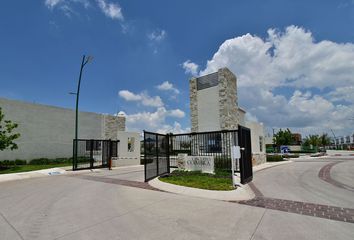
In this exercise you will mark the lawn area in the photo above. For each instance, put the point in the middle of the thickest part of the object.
(27, 168)
(196, 179)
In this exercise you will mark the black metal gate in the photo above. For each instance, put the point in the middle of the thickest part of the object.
(161, 151)
(244, 140)
(92, 153)
(156, 155)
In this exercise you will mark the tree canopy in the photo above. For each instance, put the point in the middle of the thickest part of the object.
(7, 137)
(283, 137)
(317, 140)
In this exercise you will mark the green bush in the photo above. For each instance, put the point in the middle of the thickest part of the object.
(7, 163)
(222, 163)
(20, 162)
(292, 156)
(46, 161)
(274, 158)
(39, 161)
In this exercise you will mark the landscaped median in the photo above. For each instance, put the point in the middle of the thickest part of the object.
(242, 192)
(221, 180)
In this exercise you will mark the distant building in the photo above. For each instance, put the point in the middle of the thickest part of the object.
(297, 139)
(345, 142)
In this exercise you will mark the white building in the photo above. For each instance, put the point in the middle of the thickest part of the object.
(48, 132)
(214, 107)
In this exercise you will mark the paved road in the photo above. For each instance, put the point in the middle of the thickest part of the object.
(98, 206)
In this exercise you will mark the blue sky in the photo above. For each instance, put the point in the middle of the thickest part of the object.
(294, 59)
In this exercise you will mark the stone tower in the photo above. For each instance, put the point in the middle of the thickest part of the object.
(213, 102)
(112, 125)
(121, 121)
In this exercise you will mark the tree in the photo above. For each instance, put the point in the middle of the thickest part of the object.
(325, 140)
(312, 140)
(6, 136)
(283, 137)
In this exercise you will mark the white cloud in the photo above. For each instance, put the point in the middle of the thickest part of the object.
(52, 3)
(129, 96)
(143, 98)
(190, 67)
(112, 10)
(157, 35)
(316, 75)
(167, 86)
(178, 113)
(153, 121)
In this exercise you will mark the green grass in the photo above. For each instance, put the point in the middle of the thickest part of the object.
(27, 168)
(196, 179)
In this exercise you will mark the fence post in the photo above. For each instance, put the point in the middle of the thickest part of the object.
(157, 154)
(91, 153)
(168, 151)
(110, 155)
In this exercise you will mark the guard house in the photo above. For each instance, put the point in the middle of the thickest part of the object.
(214, 107)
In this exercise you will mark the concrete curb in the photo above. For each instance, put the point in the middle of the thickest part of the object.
(269, 165)
(40, 173)
(242, 192)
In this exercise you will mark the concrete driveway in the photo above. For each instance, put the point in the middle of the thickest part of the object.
(118, 205)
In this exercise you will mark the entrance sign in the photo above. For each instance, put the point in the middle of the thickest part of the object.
(196, 163)
(235, 156)
(235, 152)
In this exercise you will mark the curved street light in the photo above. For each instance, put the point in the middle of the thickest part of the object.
(85, 60)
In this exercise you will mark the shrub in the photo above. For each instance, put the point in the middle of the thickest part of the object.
(46, 161)
(222, 163)
(7, 163)
(20, 162)
(292, 156)
(274, 158)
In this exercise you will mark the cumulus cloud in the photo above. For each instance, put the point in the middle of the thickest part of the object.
(167, 86)
(143, 98)
(111, 10)
(190, 67)
(129, 96)
(315, 77)
(153, 121)
(178, 113)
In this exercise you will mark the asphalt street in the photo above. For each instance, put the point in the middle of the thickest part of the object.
(75, 207)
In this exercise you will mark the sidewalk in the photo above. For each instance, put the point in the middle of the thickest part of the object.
(39, 173)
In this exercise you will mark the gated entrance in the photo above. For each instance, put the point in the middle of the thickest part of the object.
(156, 155)
(94, 153)
(161, 150)
(244, 140)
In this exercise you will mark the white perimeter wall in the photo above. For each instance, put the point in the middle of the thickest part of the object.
(208, 109)
(125, 157)
(47, 131)
(257, 130)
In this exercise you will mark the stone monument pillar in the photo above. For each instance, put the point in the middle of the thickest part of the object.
(213, 102)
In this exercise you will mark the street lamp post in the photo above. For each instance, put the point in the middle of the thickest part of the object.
(84, 61)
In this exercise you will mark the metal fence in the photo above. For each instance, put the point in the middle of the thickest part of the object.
(156, 155)
(161, 151)
(93, 153)
(217, 144)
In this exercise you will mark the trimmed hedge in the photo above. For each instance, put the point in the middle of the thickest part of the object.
(37, 161)
(222, 163)
(274, 158)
